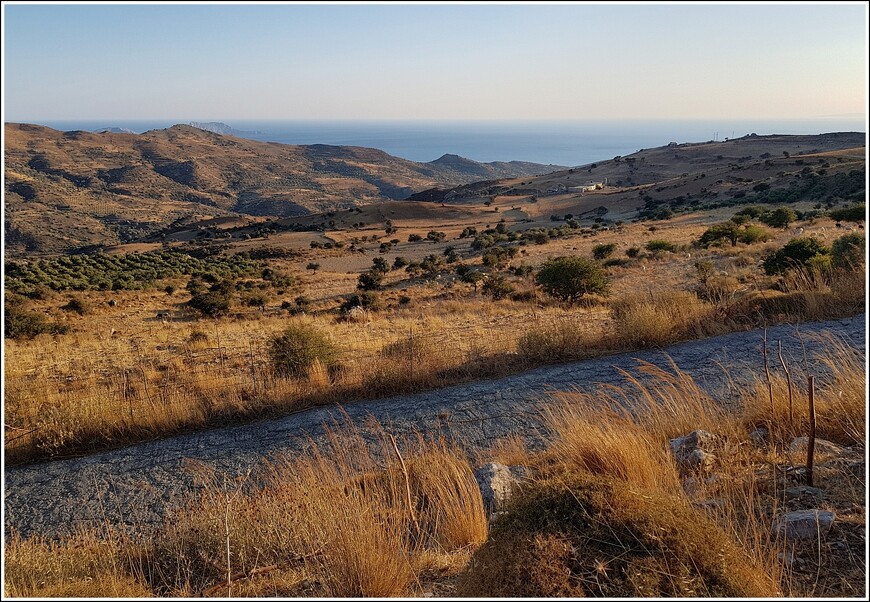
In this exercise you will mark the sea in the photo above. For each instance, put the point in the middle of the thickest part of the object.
(567, 143)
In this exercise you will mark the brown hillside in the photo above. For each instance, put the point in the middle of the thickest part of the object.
(70, 189)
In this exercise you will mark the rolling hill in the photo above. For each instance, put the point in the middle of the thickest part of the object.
(66, 190)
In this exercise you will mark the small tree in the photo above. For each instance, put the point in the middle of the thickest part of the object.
(313, 266)
(779, 218)
(435, 236)
(570, 278)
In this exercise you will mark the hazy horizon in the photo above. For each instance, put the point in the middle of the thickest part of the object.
(434, 62)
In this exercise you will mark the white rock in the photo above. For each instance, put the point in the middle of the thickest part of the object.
(804, 524)
(497, 484)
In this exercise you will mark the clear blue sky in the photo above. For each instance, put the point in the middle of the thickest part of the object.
(434, 61)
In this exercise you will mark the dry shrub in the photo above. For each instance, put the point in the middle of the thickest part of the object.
(555, 343)
(87, 565)
(662, 318)
(578, 535)
(604, 441)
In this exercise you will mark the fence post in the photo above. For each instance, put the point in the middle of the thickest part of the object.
(811, 444)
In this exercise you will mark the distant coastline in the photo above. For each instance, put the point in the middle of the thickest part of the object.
(547, 142)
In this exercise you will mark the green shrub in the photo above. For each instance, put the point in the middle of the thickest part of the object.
(19, 323)
(796, 253)
(212, 303)
(848, 251)
(632, 252)
(752, 234)
(77, 305)
(497, 287)
(660, 245)
(855, 213)
(371, 280)
(570, 278)
(295, 350)
(366, 300)
(603, 251)
(779, 218)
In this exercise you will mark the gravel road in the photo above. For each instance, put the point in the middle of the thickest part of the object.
(136, 484)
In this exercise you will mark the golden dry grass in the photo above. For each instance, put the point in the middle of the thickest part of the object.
(123, 376)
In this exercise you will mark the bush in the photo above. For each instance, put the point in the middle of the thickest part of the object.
(435, 236)
(848, 251)
(366, 300)
(371, 280)
(414, 238)
(297, 349)
(78, 305)
(855, 213)
(779, 218)
(570, 278)
(19, 323)
(603, 251)
(796, 253)
(753, 234)
(497, 287)
(660, 245)
(214, 302)
(632, 252)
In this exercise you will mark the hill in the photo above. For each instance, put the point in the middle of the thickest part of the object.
(684, 177)
(66, 190)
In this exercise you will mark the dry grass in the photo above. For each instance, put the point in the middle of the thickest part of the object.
(840, 400)
(606, 513)
(657, 319)
(123, 376)
(604, 441)
(354, 517)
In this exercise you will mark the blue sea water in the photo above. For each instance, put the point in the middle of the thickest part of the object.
(550, 142)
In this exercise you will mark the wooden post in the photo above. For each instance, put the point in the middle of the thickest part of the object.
(811, 444)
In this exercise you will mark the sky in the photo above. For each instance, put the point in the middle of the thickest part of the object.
(434, 62)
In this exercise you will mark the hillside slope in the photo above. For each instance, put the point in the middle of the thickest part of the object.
(70, 189)
(683, 177)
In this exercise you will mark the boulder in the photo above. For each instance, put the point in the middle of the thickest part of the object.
(802, 491)
(822, 449)
(802, 525)
(693, 451)
(760, 436)
(497, 484)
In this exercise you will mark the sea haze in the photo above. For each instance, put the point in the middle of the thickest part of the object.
(548, 142)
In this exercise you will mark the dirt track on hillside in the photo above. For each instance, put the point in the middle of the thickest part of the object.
(135, 485)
